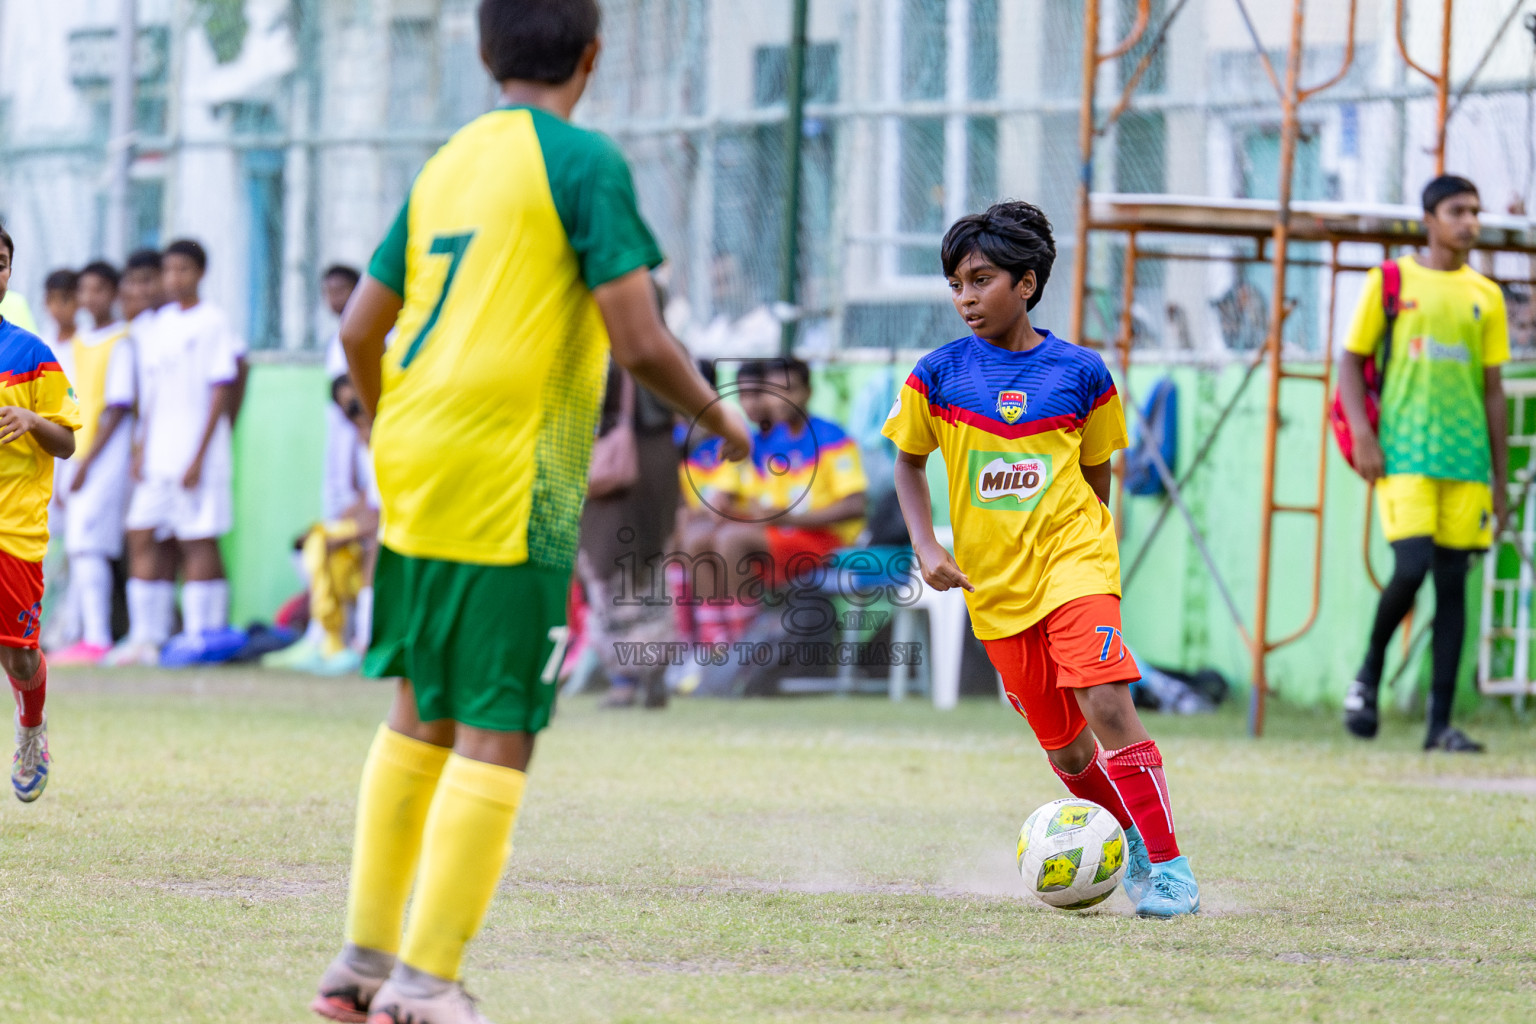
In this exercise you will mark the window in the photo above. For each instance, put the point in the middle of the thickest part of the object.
(922, 191)
(1258, 158)
(146, 212)
(944, 163)
(770, 80)
(412, 97)
(1140, 153)
(1154, 78)
(264, 196)
(1062, 49)
(467, 89)
(924, 49)
(750, 188)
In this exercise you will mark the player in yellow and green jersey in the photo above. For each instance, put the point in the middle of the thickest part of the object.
(518, 259)
(1441, 457)
(38, 420)
(1026, 423)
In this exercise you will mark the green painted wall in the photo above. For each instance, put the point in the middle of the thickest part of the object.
(279, 461)
(1172, 611)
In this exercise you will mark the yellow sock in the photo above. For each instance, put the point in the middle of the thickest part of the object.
(468, 840)
(399, 778)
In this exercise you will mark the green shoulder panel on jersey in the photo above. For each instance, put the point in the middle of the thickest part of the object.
(388, 264)
(594, 195)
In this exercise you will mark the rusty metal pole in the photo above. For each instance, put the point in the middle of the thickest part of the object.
(1084, 170)
(1124, 343)
(1442, 91)
(1289, 129)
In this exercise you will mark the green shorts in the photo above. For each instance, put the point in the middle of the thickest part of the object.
(480, 643)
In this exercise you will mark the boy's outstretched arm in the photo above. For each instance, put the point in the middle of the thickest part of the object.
(365, 323)
(642, 345)
(840, 511)
(938, 566)
(111, 418)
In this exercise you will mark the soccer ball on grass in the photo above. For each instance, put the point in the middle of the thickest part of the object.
(1071, 853)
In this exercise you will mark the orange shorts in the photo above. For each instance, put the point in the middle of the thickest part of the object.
(21, 600)
(797, 551)
(1077, 645)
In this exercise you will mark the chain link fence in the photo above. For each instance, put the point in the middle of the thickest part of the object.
(293, 145)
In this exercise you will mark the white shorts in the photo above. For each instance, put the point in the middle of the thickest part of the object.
(93, 515)
(172, 511)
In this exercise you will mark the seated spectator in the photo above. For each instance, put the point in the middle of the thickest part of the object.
(803, 498)
(719, 523)
(811, 476)
(337, 557)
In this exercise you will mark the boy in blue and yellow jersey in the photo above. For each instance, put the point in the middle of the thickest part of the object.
(722, 526)
(519, 258)
(1027, 424)
(38, 420)
(810, 472)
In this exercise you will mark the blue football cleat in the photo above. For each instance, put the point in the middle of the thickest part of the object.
(1138, 866)
(29, 768)
(1173, 891)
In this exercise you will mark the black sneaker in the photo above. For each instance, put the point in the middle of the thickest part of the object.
(1360, 714)
(1453, 741)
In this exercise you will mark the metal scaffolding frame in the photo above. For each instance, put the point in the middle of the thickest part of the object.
(1272, 227)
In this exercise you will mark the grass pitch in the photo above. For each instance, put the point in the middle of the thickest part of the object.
(815, 860)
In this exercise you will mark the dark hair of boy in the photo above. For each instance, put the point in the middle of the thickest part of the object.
(1012, 236)
(797, 368)
(193, 251)
(536, 40)
(5, 240)
(706, 369)
(1444, 187)
(61, 282)
(144, 259)
(752, 369)
(343, 271)
(104, 270)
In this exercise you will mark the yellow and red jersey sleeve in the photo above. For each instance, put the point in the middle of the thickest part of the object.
(1104, 429)
(909, 424)
(30, 378)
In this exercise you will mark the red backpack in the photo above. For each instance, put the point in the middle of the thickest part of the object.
(1375, 370)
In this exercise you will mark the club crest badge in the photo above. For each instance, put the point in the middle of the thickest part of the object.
(1011, 405)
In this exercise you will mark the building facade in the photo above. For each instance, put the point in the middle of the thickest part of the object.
(284, 134)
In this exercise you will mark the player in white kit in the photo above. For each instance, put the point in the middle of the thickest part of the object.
(103, 375)
(189, 368)
(151, 559)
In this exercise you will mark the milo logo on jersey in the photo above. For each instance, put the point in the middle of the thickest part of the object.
(1008, 481)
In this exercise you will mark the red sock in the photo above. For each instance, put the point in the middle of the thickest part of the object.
(30, 695)
(682, 601)
(1092, 783)
(1137, 772)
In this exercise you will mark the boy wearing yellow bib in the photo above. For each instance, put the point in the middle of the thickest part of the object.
(98, 487)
